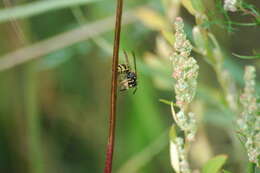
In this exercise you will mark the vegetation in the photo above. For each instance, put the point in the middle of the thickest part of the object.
(196, 108)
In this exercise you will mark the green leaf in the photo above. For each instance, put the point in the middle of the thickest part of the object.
(173, 133)
(214, 164)
(198, 5)
(188, 5)
(175, 160)
(246, 57)
(225, 171)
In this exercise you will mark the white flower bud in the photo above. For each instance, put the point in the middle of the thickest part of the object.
(230, 5)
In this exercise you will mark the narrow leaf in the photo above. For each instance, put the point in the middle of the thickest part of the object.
(214, 164)
(174, 155)
(246, 57)
(198, 5)
(188, 5)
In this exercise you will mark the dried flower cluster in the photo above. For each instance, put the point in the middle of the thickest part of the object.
(230, 5)
(177, 149)
(249, 122)
(185, 72)
(187, 123)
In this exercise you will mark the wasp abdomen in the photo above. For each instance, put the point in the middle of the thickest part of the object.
(122, 68)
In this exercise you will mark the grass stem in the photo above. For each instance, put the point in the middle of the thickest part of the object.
(112, 117)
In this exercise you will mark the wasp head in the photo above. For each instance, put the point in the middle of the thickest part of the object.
(131, 75)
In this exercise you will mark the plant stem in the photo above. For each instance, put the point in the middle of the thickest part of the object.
(31, 108)
(251, 167)
(34, 127)
(112, 117)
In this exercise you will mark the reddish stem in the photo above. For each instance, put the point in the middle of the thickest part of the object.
(112, 117)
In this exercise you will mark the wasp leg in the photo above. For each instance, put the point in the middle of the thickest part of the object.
(124, 85)
(123, 89)
(135, 90)
(124, 82)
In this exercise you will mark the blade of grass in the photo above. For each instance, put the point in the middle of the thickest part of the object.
(35, 154)
(102, 43)
(34, 128)
(39, 7)
(60, 41)
(18, 31)
(135, 163)
(246, 57)
(145, 113)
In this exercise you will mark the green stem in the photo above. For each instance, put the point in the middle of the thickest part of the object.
(244, 24)
(30, 101)
(251, 167)
(31, 108)
(167, 102)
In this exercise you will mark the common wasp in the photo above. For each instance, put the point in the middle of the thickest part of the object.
(128, 78)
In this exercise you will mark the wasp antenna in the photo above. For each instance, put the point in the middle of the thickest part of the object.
(135, 90)
(133, 54)
(126, 58)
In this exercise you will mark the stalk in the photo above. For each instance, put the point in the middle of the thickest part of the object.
(113, 97)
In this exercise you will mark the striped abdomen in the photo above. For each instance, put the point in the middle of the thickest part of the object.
(122, 68)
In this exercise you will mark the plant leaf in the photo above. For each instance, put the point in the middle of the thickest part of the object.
(246, 57)
(198, 5)
(174, 155)
(214, 164)
(188, 5)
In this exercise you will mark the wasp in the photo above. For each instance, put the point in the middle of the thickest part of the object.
(128, 77)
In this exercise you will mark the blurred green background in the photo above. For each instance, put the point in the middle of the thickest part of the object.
(54, 109)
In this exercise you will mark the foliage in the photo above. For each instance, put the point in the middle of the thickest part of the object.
(214, 164)
(55, 72)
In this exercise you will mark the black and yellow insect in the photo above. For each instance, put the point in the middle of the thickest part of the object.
(128, 77)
